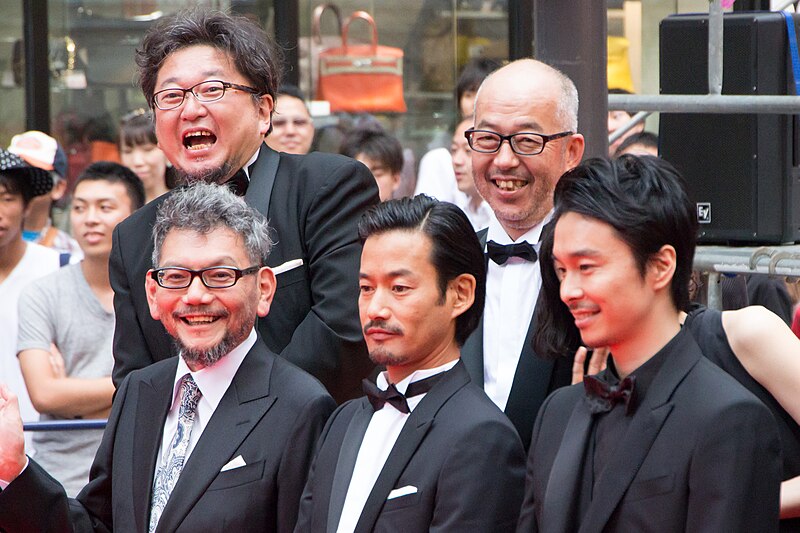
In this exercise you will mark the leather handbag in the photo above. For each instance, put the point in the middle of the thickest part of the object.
(362, 77)
(311, 48)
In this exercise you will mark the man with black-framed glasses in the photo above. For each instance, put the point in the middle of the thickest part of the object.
(221, 436)
(523, 138)
(212, 80)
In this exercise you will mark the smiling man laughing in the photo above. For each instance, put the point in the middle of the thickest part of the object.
(523, 139)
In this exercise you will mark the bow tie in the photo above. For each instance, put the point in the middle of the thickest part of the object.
(601, 396)
(394, 397)
(499, 253)
(238, 183)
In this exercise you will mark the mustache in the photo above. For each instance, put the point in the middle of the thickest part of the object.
(382, 324)
(200, 310)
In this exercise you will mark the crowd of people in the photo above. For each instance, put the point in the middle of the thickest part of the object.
(282, 340)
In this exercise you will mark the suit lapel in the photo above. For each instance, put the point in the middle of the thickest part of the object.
(412, 434)
(262, 178)
(347, 461)
(242, 406)
(153, 404)
(647, 422)
(563, 484)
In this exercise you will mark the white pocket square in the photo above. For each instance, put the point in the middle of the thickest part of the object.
(402, 491)
(287, 266)
(236, 462)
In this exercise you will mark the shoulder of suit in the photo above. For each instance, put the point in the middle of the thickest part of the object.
(289, 379)
(323, 165)
(144, 216)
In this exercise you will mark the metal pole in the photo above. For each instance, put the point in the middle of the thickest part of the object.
(625, 128)
(571, 36)
(706, 103)
(37, 68)
(715, 30)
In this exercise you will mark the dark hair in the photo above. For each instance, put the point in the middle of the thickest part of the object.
(456, 249)
(16, 182)
(291, 90)
(116, 173)
(473, 75)
(377, 145)
(645, 200)
(645, 138)
(251, 50)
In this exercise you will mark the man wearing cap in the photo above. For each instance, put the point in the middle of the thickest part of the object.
(20, 262)
(42, 151)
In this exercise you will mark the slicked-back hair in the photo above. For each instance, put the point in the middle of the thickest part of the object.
(116, 173)
(455, 247)
(249, 47)
(378, 145)
(645, 200)
(204, 207)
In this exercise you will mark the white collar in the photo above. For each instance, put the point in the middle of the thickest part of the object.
(383, 382)
(497, 234)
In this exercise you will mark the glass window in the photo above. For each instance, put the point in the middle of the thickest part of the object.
(12, 83)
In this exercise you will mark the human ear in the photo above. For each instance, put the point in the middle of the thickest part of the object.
(461, 290)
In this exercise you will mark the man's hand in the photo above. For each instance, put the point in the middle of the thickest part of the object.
(596, 364)
(12, 440)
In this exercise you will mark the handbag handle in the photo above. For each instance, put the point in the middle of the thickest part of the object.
(363, 15)
(317, 17)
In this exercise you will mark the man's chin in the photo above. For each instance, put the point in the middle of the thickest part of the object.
(217, 174)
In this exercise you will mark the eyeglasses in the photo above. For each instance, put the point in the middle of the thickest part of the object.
(205, 91)
(216, 277)
(523, 143)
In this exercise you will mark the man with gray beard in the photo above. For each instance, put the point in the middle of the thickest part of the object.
(221, 435)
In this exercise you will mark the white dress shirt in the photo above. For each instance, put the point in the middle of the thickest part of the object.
(480, 217)
(212, 381)
(511, 292)
(382, 432)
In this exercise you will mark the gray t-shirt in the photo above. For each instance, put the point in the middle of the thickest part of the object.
(60, 308)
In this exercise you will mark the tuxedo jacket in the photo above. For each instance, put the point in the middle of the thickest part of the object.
(314, 204)
(701, 454)
(271, 415)
(534, 378)
(457, 455)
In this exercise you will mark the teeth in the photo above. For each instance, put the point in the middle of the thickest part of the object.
(510, 185)
(200, 320)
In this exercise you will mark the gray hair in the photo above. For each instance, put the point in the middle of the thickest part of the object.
(205, 207)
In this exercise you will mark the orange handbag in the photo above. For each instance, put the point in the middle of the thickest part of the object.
(362, 77)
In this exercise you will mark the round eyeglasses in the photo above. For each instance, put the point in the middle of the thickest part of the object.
(523, 143)
(216, 277)
(205, 91)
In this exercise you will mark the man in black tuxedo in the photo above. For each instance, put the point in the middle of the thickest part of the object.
(425, 450)
(221, 436)
(211, 79)
(524, 138)
(661, 440)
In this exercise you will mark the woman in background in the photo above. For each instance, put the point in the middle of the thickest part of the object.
(139, 151)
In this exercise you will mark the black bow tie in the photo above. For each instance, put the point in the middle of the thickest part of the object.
(499, 253)
(602, 397)
(394, 397)
(238, 183)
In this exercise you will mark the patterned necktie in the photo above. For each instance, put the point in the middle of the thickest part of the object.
(500, 253)
(168, 471)
(602, 396)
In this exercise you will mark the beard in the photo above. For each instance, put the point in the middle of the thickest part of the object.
(216, 175)
(380, 355)
(206, 357)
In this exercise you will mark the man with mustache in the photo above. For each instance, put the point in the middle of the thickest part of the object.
(425, 450)
(211, 79)
(524, 137)
(221, 436)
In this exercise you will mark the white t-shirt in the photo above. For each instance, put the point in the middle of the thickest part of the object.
(38, 261)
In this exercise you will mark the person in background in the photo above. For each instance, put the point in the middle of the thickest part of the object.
(618, 118)
(435, 177)
(42, 151)
(20, 263)
(382, 154)
(475, 207)
(292, 125)
(139, 151)
(79, 384)
(642, 143)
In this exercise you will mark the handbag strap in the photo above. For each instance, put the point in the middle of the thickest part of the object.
(793, 50)
(363, 15)
(317, 17)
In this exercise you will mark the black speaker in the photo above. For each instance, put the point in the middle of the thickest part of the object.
(741, 168)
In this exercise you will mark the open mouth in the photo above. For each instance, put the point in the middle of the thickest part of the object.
(195, 320)
(199, 140)
(509, 185)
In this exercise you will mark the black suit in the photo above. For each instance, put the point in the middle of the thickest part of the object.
(314, 207)
(456, 448)
(534, 378)
(271, 415)
(701, 454)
